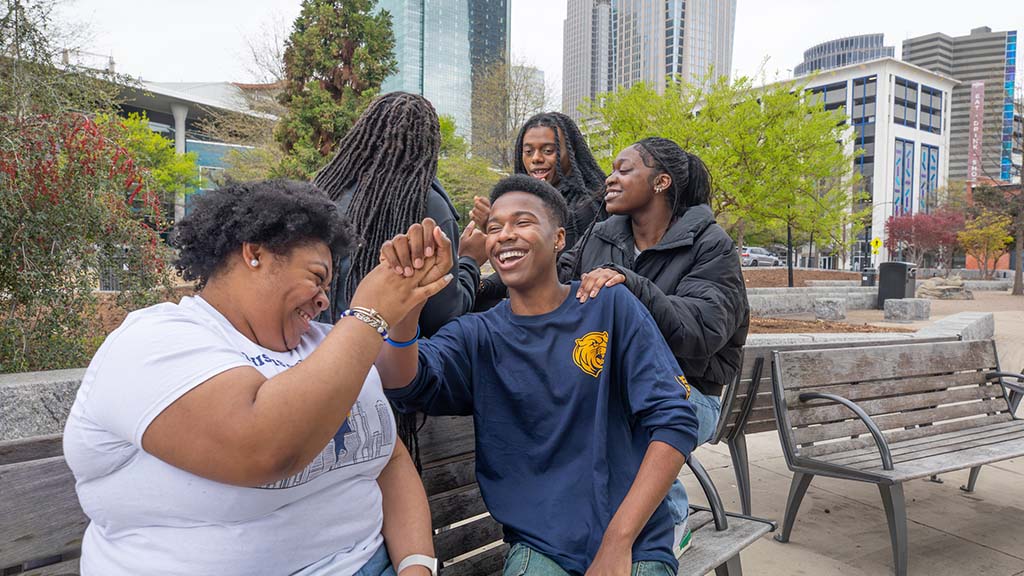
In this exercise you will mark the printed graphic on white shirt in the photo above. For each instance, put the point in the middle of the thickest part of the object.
(362, 437)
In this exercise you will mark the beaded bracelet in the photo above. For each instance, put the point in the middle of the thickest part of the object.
(371, 317)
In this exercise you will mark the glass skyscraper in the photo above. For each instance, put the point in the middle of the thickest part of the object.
(441, 44)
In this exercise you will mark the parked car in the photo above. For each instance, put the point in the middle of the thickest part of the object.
(756, 256)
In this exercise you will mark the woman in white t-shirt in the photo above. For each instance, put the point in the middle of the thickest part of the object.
(230, 433)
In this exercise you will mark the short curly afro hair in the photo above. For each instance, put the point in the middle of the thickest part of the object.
(548, 194)
(279, 215)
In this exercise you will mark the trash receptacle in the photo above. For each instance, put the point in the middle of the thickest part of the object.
(896, 280)
(868, 276)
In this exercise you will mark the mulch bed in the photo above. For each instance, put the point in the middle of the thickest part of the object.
(777, 277)
(786, 326)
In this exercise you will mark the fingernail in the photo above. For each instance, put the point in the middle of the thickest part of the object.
(428, 251)
(418, 263)
(448, 277)
(399, 270)
(408, 271)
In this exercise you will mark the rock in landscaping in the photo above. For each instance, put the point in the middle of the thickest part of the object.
(907, 309)
(830, 309)
(939, 288)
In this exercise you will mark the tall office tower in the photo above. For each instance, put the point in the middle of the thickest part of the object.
(982, 108)
(659, 39)
(843, 51)
(586, 53)
(441, 44)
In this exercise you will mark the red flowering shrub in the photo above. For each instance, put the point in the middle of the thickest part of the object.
(73, 206)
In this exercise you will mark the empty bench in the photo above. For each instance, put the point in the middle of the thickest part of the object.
(41, 523)
(748, 406)
(886, 415)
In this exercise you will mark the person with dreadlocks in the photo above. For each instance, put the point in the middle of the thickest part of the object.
(550, 147)
(383, 178)
(662, 242)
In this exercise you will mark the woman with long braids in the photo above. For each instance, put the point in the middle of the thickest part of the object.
(662, 242)
(383, 179)
(551, 147)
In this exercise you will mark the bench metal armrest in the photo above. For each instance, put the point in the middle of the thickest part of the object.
(1018, 388)
(714, 501)
(883, 446)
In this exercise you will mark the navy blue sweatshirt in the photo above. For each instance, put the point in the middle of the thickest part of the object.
(564, 405)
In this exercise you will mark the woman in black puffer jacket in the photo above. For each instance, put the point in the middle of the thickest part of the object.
(662, 242)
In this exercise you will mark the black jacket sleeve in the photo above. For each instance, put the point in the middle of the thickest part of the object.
(708, 304)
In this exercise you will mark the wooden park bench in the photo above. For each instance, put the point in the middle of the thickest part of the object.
(748, 406)
(41, 523)
(886, 415)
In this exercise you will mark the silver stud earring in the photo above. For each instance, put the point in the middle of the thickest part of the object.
(254, 262)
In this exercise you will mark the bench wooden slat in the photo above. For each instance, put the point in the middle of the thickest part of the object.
(952, 461)
(456, 505)
(867, 442)
(36, 448)
(963, 445)
(443, 437)
(883, 388)
(65, 568)
(757, 427)
(812, 369)
(466, 538)
(487, 563)
(902, 419)
(712, 548)
(449, 474)
(39, 511)
(815, 412)
(924, 443)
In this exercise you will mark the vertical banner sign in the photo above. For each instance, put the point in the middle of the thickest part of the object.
(977, 119)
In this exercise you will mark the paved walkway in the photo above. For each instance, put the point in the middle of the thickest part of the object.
(841, 527)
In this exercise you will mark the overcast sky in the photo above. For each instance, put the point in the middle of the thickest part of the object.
(205, 40)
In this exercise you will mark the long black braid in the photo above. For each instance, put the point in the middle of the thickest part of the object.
(585, 179)
(691, 181)
(388, 161)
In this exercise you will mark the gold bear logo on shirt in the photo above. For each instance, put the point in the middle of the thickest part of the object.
(589, 352)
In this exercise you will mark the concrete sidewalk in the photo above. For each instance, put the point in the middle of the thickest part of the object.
(841, 526)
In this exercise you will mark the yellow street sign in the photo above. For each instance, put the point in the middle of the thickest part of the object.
(876, 243)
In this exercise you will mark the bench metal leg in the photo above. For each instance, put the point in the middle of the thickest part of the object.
(935, 478)
(741, 466)
(972, 480)
(730, 568)
(896, 514)
(797, 489)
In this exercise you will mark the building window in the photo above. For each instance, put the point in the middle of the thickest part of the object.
(905, 102)
(931, 109)
(927, 200)
(903, 178)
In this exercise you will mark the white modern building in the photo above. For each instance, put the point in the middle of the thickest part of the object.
(900, 115)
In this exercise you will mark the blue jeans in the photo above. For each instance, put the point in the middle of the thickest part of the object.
(378, 565)
(525, 561)
(707, 408)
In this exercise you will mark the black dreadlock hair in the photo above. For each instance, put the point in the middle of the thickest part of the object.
(389, 157)
(585, 179)
(691, 181)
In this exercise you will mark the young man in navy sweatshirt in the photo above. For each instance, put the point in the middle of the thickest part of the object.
(581, 414)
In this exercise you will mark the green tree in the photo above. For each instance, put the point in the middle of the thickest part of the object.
(1009, 202)
(985, 238)
(463, 176)
(172, 175)
(777, 157)
(74, 202)
(337, 56)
